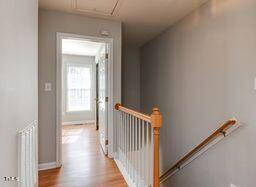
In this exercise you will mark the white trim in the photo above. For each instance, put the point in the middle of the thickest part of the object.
(96, 13)
(58, 100)
(124, 173)
(110, 88)
(77, 122)
(110, 41)
(46, 166)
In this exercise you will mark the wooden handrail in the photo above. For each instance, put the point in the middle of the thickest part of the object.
(155, 119)
(139, 115)
(221, 130)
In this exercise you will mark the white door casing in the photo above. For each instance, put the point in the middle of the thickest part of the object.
(110, 91)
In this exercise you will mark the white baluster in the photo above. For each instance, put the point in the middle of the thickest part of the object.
(143, 152)
(119, 129)
(136, 150)
(118, 134)
(132, 151)
(34, 155)
(152, 155)
(36, 152)
(124, 120)
(31, 158)
(123, 131)
(148, 154)
(23, 159)
(121, 136)
(129, 145)
(27, 160)
(125, 143)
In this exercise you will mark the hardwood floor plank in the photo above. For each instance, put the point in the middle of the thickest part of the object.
(84, 163)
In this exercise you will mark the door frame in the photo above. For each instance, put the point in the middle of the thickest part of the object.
(110, 90)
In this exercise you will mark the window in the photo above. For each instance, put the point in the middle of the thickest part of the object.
(78, 88)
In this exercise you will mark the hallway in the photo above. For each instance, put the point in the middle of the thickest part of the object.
(84, 163)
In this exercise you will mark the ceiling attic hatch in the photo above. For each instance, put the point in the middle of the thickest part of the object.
(97, 7)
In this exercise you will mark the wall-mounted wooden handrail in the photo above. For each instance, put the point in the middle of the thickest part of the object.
(221, 131)
(134, 113)
(155, 120)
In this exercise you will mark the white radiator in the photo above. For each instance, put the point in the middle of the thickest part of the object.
(28, 156)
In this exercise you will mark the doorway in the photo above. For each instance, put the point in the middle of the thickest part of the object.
(84, 82)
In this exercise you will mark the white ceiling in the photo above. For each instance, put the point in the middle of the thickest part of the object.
(80, 47)
(142, 19)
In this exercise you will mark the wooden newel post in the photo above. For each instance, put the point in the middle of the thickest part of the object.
(117, 106)
(156, 122)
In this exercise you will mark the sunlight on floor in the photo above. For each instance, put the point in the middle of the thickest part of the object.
(70, 136)
(69, 139)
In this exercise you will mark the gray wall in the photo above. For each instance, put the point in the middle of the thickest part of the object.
(49, 23)
(131, 76)
(18, 78)
(201, 72)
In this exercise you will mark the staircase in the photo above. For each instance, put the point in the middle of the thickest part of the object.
(138, 147)
(226, 128)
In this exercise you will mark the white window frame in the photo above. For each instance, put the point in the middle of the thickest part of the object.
(66, 86)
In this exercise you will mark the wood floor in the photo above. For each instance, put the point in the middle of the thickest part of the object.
(84, 163)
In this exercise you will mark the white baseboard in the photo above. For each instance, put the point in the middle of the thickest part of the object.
(77, 122)
(46, 166)
(124, 173)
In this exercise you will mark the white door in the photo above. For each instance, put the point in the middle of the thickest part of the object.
(103, 98)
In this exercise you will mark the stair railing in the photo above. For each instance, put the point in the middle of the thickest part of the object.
(226, 128)
(138, 146)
